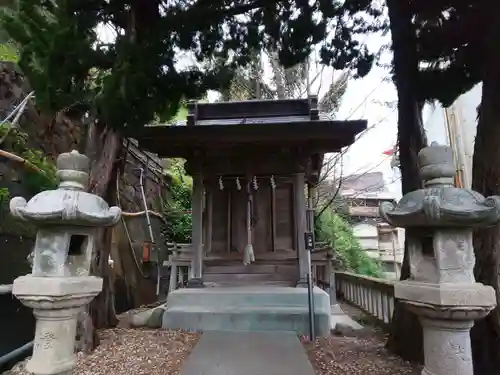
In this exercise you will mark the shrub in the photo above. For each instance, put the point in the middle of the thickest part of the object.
(337, 232)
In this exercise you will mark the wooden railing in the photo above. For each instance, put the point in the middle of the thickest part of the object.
(372, 295)
(180, 258)
(180, 265)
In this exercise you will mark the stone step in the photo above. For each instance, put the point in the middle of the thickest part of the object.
(245, 277)
(255, 308)
(238, 261)
(246, 296)
(289, 319)
(233, 283)
(252, 269)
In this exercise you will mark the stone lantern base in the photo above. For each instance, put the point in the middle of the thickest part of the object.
(56, 302)
(446, 294)
(447, 313)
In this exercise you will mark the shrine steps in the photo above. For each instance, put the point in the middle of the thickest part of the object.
(253, 308)
(256, 273)
(246, 283)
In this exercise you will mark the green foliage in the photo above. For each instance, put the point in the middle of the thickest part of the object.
(16, 141)
(4, 195)
(8, 53)
(177, 172)
(454, 41)
(178, 204)
(334, 230)
(177, 213)
(136, 78)
(9, 224)
(181, 113)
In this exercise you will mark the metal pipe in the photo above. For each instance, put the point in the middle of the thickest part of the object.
(5, 289)
(17, 354)
(148, 220)
(310, 294)
(19, 107)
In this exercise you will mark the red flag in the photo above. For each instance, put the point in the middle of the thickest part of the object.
(388, 152)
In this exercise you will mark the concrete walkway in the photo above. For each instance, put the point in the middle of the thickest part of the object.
(247, 353)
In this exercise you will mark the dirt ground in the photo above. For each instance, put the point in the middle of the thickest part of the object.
(355, 356)
(125, 351)
(364, 354)
(133, 352)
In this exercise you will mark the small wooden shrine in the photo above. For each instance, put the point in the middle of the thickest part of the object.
(251, 162)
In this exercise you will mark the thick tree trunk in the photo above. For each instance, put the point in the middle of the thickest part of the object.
(104, 147)
(405, 339)
(485, 334)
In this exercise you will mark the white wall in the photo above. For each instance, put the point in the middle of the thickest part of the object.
(435, 124)
(366, 235)
(462, 115)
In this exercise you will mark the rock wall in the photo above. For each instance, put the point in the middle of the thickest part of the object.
(52, 135)
(58, 134)
(55, 135)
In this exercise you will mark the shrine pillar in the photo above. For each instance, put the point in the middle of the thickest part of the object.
(208, 218)
(196, 276)
(299, 207)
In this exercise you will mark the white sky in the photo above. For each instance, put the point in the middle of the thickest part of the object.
(362, 100)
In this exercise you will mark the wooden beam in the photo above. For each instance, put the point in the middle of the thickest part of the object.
(229, 219)
(209, 218)
(299, 206)
(273, 219)
(323, 136)
(197, 232)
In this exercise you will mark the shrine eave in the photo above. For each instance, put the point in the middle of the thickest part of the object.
(319, 136)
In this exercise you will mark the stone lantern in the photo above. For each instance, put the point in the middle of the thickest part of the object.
(59, 285)
(441, 290)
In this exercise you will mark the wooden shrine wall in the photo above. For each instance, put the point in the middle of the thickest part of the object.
(273, 212)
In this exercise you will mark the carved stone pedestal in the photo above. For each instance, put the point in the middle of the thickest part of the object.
(56, 302)
(447, 313)
(447, 347)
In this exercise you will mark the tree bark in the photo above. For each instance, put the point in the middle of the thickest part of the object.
(405, 338)
(485, 334)
(104, 147)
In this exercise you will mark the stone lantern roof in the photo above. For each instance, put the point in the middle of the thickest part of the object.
(69, 204)
(440, 203)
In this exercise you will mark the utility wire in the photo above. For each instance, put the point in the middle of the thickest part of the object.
(367, 171)
(362, 134)
(376, 186)
(366, 98)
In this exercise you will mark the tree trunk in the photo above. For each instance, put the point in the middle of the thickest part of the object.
(104, 147)
(485, 334)
(405, 338)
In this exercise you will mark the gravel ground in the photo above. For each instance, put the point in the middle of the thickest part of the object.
(364, 355)
(133, 352)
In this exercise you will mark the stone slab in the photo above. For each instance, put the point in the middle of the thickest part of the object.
(340, 317)
(247, 296)
(248, 353)
(247, 309)
(446, 294)
(56, 286)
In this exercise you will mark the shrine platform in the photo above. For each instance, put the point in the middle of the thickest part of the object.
(252, 308)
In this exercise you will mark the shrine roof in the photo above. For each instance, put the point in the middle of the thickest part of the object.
(210, 126)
